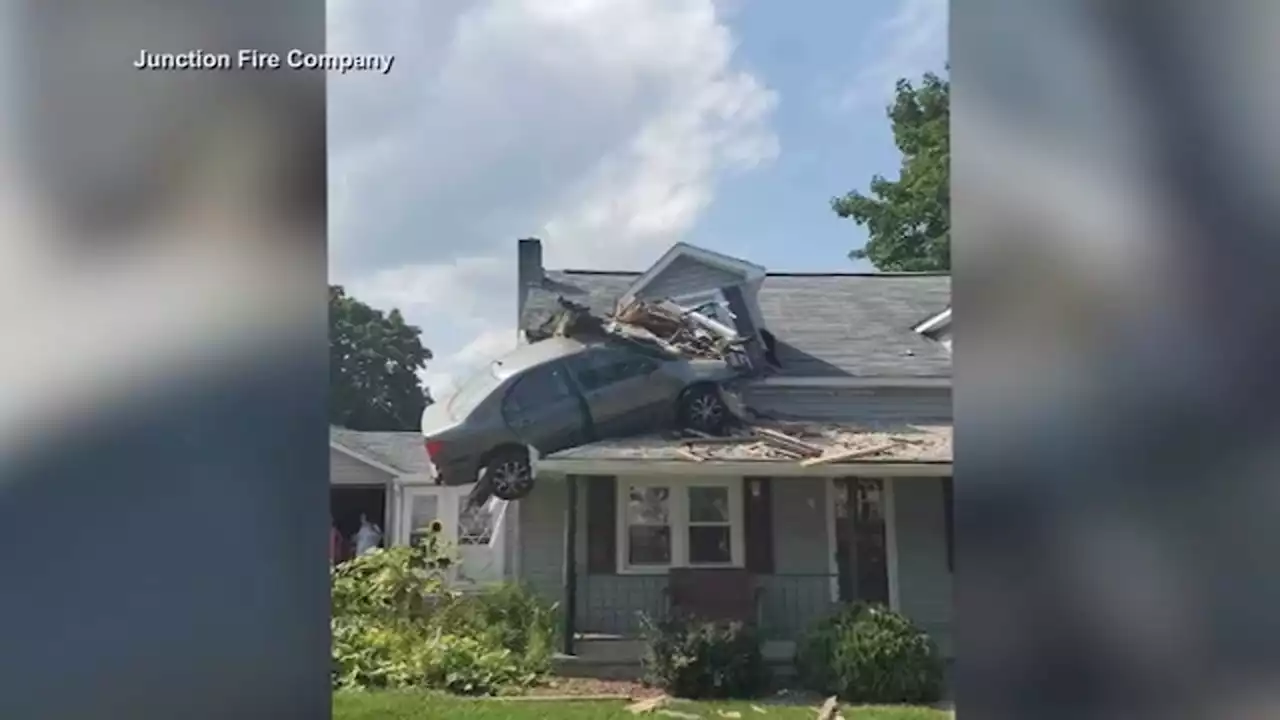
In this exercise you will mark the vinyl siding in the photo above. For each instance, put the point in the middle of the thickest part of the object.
(687, 275)
(798, 593)
(924, 581)
(346, 470)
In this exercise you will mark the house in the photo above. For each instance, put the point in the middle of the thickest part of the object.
(608, 522)
(384, 476)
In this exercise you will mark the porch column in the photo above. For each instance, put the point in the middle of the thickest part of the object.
(570, 562)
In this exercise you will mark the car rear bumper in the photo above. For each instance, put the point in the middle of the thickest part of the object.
(454, 474)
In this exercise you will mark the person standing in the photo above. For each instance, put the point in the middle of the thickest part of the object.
(368, 537)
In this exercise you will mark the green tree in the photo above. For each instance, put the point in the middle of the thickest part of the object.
(374, 359)
(908, 220)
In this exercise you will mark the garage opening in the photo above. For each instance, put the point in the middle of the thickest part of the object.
(347, 505)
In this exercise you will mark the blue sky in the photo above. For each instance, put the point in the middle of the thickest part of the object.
(608, 128)
(821, 58)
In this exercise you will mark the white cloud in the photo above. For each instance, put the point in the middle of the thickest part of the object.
(911, 42)
(602, 126)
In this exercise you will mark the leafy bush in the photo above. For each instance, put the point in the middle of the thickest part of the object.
(396, 623)
(509, 616)
(870, 654)
(373, 654)
(692, 658)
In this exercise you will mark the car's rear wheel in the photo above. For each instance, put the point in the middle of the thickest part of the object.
(702, 408)
(509, 473)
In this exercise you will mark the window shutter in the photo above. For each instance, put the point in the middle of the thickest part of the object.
(758, 521)
(602, 517)
(948, 509)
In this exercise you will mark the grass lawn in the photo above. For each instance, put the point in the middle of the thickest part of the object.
(419, 706)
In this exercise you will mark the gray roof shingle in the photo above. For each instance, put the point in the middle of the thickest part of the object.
(827, 324)
(401, 451)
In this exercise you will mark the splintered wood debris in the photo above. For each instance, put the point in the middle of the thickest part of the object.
(661, 324)
(819, 444)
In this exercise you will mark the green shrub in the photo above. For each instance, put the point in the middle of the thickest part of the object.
(509, 616)
(692, 658)
(396, 623)
(382, 654)
(870, 654)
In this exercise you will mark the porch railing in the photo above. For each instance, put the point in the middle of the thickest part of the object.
(612, 605)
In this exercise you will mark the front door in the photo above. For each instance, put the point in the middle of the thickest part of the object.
(861, 555)
(474, 532)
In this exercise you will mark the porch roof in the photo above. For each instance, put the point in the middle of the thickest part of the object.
(401, 452)
(843, 448)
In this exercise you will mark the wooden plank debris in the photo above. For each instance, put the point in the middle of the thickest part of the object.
(689, 455)
(849, 454)
(788, 439)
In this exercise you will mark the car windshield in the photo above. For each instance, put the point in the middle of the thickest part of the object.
(475, 389)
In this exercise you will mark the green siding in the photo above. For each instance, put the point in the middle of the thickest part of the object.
(924, 581)
(797, 594)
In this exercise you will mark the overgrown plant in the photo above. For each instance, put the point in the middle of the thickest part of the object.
(870, 654)
(692, 658)
(397, 623)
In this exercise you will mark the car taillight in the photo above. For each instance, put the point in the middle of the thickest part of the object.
(433, 447)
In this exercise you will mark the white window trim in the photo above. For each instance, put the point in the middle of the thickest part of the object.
(679, 522)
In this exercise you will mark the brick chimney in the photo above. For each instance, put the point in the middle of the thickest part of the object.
(529, 273)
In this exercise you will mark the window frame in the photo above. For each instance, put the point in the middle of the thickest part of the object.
(679, 519)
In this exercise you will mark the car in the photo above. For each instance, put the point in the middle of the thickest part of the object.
(560, 393)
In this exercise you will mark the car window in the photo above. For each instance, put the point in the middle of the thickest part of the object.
(539, 387)
(605, 366)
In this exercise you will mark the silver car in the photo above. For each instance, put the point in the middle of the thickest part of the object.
(560, 393)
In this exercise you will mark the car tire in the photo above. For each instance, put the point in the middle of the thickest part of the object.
(508, 473)
(702, 408)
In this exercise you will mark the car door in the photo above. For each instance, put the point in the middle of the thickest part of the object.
(543, 410)
(621, 392)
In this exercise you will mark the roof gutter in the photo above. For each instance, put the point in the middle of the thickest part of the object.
(740, 468)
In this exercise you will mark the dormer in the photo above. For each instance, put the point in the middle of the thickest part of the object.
(721, 287)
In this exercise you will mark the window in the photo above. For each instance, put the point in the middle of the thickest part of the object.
(475, 523)
(605, 366)
(424, 510)
(649, 526)
(665, 524)
(541, 387)
(710, 527)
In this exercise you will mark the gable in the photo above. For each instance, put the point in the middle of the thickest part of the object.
(684, 276)
(347, 470)
(687, 269)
